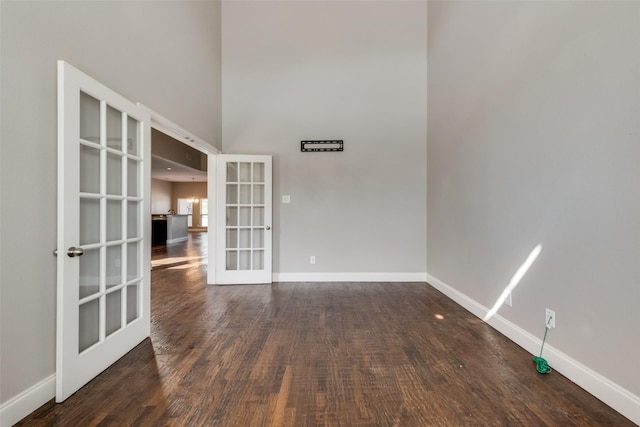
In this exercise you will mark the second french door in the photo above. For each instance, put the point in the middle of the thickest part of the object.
(244, 219)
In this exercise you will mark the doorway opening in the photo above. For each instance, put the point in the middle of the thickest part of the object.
(179, 201)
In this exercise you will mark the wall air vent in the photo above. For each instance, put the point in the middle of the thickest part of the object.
(316, 146)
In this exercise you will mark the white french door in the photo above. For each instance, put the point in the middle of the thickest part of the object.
(103, 263)
(243, 253)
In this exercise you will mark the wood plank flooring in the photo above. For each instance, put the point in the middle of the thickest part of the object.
(317, 354)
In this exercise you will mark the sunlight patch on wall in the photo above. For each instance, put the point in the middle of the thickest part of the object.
(515, 280)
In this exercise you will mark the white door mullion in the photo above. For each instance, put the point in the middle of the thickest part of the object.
(102, 223)
(124, 219)
(252, 225)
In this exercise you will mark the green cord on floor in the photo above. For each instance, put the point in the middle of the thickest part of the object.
(542, 366)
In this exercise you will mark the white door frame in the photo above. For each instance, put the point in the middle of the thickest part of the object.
(166, 126)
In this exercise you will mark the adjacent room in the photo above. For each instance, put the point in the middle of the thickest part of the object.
(489, 174)
(179, 200)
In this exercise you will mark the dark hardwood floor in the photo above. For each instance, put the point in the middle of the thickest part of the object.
(317, 354)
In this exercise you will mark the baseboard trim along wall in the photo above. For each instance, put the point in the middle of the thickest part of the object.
(609, 392)
(28, 401)
(349, 277)
(177, 240)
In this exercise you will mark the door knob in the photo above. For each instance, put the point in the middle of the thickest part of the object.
(73, 251)
(268, 228)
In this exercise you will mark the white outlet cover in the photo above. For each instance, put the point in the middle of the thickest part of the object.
(286, 199)
(550, 318)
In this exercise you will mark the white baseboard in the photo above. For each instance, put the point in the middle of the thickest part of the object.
(349, 277)
(177, 240)
(609, 392)
(28, 401)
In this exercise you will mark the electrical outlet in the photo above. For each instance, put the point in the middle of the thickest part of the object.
(550, 318)
(312, 259)
(286, 198)
(507, 301)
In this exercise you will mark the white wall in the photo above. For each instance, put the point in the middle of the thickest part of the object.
(164, 54)
(354, 71)
(533, 139)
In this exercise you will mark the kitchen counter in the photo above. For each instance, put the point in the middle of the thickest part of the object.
(167, 229)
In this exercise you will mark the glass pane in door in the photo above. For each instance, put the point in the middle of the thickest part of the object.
(89, 118)
(258, 216)
(133, 216)
(113, 312)
(133, 178)
(258, 172)
(132, 302)
(245, 260)
(89, 273)
(113, 266)
(132, 136)
(232, 238)
(89, 170)
(133, 257)
(258, 238)
(89, 321)
(114, 128)
(245, 172)
(245, 238)
(232, 172)
(232, 194)
(232, 260)
(232, 216)
(114, 220)
(258, 260)
(245, 194)
(245, 216)
(258, 194)
(114, 174)
(89, 221)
